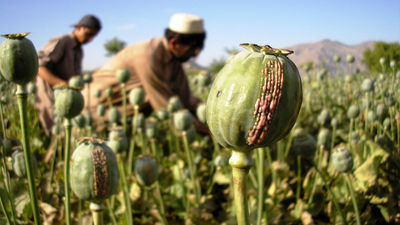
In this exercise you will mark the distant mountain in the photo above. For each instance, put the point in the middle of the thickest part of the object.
(323, 52)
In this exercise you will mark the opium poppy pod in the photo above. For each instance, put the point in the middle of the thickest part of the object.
(68, 102)
(94, 171)
(255, 98)
(18, 59)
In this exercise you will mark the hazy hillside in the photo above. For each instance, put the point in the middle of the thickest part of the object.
(318, 52)
(323, 51)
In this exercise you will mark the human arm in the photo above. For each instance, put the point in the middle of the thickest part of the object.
(49, 77)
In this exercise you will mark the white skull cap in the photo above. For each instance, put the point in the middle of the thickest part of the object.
(186, 24)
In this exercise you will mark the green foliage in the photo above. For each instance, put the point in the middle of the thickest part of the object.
(389, 51)
(308, 66)
(113, 46)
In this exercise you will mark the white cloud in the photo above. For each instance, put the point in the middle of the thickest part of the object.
(126, 27)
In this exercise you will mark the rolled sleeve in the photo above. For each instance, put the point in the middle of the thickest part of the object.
(51, 53)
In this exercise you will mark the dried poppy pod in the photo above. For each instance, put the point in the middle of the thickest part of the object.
(18, 59)
(68, 102)
(255, 99)
(94, 170)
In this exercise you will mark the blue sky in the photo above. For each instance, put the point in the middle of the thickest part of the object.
(228, 23)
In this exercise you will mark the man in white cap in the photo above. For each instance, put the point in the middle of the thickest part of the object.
(156, 65)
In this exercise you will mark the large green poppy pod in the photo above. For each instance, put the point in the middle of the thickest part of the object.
(79, 121)
(18, 162)
(146, 170)
(303, 144)
(392, 64)
(381, 111)
(18, 59)
(162, 114)
(367, 85)
(101, 110)
(114, 116)
(109, 92)
(324, 117)
(174, 104)
(350, 58)
(342, 160)
(76, 82)
(122, 75)
(136, 96)
(31, 88)
(94, 171)
(140, 122)
(382, 61)
(151, 127)
(87, 78)
(324, 137)
(183, 119)
(203, 79)
(201, 112)
(255, 98)
(336, 58)
(353, 111)
(117, 140)
(68, 102)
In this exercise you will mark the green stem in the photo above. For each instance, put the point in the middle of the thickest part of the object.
(97, 212)
(161, 204)
(241, 162)
(154, 150)
(333, 138)
(298, 190)
(67, 155)
(3, 208)
(88, 98)
(80, 211)
(124, 187)
(353, 198)
(9, 192)
(273, 172)
(111, 211)
(3, 128)
(192, 169)
(132, 144)
(334, 199)
(261, 178)
(22, 99)
(124, 119)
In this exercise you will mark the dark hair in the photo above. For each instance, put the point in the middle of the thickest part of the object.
(90, 21)
(196, 40)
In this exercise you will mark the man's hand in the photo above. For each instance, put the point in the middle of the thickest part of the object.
(49, 77)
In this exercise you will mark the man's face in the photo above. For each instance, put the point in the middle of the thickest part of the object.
(85, 34)
(184, 52)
